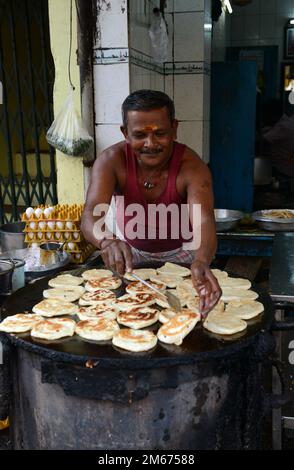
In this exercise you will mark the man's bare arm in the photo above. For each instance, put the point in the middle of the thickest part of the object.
(101, 189)
(199, 191)
(115, 253)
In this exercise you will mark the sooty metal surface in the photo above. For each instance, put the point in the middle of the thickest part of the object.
(198, 345)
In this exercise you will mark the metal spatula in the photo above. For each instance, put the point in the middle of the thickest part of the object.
(172, 300)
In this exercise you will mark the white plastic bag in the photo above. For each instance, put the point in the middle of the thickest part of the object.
(67, 133)
(159, 38)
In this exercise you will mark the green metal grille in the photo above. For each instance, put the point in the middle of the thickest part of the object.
(27, 162)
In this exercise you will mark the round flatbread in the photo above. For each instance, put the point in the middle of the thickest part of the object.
(54, 328)
(138, 318)
(96, 273)
(134, 340)
(144, 273)
(194, 304)
(166, 314)
(70, 294)
(54, 308)
(137, 286)
(244, 309)
(235, 283)
(99, 329)
(186, 292)
(128, 301)
(97, 311)
(178, 327)
(111, 283)
(19, 323)
(169, 281)
(104, 296)
(162, 302)
(230, 293)
(223, 324)
(219, 274)
(65, 280)
(173, 269)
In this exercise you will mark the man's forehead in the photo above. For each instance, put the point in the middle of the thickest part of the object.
(149, 120)
(147, 116)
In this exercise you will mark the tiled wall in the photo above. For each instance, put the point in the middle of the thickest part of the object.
(111, 70)
(185, 76)
(261, 23)
(123, 62)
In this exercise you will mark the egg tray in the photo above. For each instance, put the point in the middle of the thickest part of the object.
(51, 237)
(58, 212)
(75, 226)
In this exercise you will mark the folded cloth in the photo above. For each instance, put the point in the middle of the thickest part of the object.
(178, 256)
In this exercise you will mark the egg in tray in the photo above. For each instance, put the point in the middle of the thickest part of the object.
(60, 223)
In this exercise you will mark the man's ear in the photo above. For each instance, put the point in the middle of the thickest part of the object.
(124, 131)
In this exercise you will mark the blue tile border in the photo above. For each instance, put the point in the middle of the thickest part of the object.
(119, 55)
(114, 55)
(168, 68)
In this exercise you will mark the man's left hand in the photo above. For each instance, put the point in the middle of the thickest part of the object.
(206, 286)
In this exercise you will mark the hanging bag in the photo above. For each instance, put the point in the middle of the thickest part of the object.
(68, 133)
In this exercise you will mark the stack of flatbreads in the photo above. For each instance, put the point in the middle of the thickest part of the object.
(104, 316)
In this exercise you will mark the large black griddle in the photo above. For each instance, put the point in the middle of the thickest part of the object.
(198, 345)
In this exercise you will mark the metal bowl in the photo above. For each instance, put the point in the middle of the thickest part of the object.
(39, 263)
(266, 222)
(12, 236)
(227, 219)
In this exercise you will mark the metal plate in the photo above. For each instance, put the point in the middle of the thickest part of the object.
(274, 225)
(282, 268)
(196, 346)
(226, 219)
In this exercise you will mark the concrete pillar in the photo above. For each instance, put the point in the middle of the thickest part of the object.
(111, 70)
(70, 180)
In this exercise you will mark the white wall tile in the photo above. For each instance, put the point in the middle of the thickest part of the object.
(285, 6)
(189, 36)
(112, 20)
(268, 7)
(250, 9)
(281, 21)
(267, 26)
(111, 84)
(170, 26)
(207, 46)
(146, 79)
(206, 97)
(106, 135)
(237, 28)
(207, 11)
(188, 5)
(139, 39)
(206, 142)
(136, 77)
(188, 97)
(191, 134)
(157, 81)
(169, 85)
(251, 27)
(169, 6)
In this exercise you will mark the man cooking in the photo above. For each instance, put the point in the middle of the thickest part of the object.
(150, 169)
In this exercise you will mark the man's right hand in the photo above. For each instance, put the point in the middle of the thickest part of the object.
(117, 254)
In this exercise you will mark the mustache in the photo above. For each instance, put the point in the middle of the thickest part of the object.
(151, 152)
